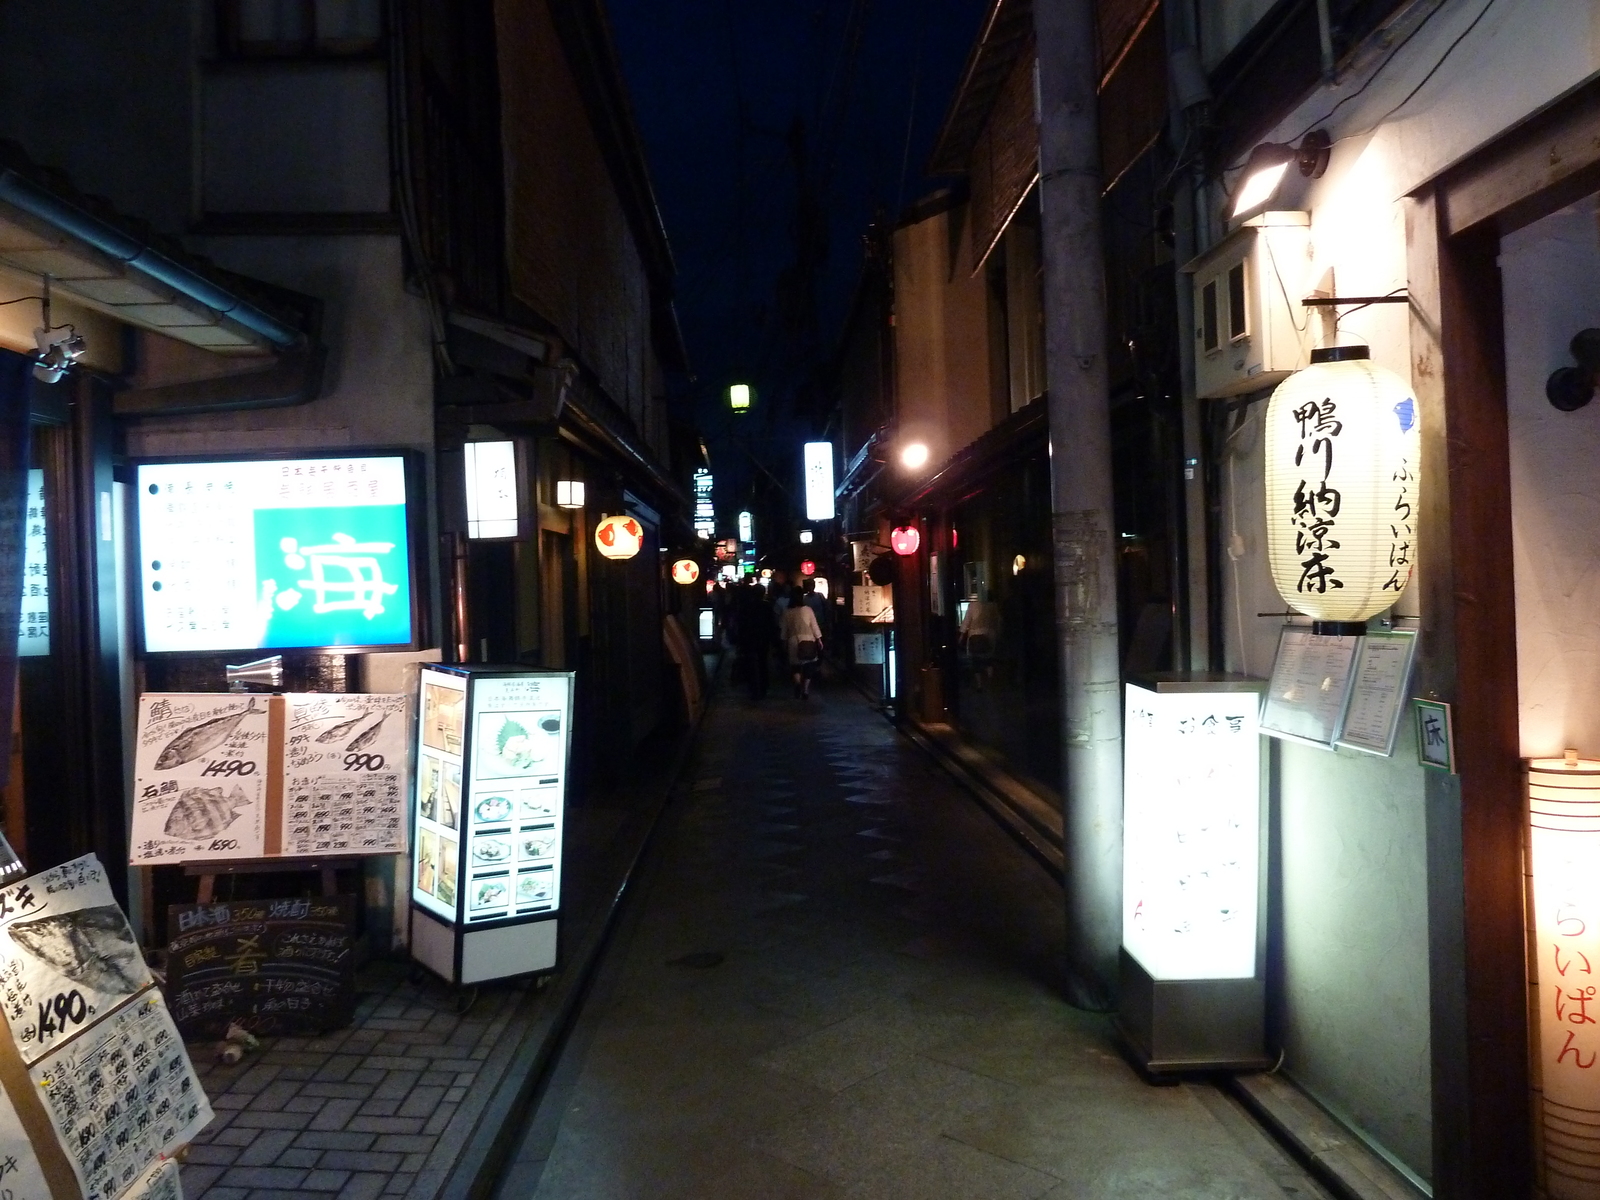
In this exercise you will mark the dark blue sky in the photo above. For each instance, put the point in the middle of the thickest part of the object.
(727, 187)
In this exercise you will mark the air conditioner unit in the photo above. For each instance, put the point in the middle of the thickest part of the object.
(1250, 329)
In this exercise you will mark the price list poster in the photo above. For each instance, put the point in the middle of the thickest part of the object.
(97, 1084)
(345, 775)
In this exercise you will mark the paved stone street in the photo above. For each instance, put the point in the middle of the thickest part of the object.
(841, 979)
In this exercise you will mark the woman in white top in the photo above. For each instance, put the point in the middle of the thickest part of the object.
(802, 638)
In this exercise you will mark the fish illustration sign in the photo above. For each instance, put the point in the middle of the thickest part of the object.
(274, 554)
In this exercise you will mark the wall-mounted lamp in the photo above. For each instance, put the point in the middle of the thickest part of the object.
(805, 537)
(905, 540)
(914, 455)
(739, 397)
(1570, 388)
(60, 346)
(1269, 163)
(569, 493)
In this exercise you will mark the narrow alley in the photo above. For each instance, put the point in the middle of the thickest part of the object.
(840, 978)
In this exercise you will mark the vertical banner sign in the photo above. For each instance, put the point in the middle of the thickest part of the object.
(1564, 812)
(33, 629)
(819, 481)
(14, 374)
(491, 480)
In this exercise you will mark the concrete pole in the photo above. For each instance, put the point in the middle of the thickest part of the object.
(1081, 505)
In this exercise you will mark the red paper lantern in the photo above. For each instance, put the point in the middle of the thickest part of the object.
(905, 540)
(619, 537)
(808, 567)
(685, 570)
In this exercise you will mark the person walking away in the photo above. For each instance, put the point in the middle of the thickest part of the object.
(755, 633)
(802, 638)
(817, 605)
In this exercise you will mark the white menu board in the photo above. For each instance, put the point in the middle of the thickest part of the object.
(122, 1095)
(1378, 693)
(1310, 683)
(1191, 832)
(517, 794)
(441, 738)
(67, 954)
(345, 773)
(200, 777)
(33, 629)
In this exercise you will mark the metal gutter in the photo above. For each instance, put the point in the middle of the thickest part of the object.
(21, 192)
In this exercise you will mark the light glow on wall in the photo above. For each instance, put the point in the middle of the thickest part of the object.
(1191, 830)
(819, 481)
(491, 481)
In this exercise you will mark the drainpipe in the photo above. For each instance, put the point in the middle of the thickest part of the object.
(1079, 409)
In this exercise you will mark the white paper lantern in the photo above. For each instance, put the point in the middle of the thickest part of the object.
(1342, 451)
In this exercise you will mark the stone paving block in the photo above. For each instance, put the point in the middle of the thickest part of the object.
(301, 1074)
(272, 1120)
(336, 1114)
(274, 1096)
(397, 1086)
(256, 1078)
(405, 1143)
(338, 1067)
(264, 1151)
(228, 1100)
(397, 1024)
(298, 1158)
(263, 1177)
(197, 1179)
(413, 1162)
(437, 1079)
(394, 1062)
(421, 1102)
(363, 1187)
(360, 1160)
(338, 1091)
(382, 1108)
(296, 1058)
(342, 1139)
(305, 1104)
(454, 1095)
(385, 1124)
(465, 1078)
(441, 1118)
(399, 1183)
(325, 1181)
(427, 1184)
(213, 1156)
(462, 1065)
(366, 1075)
(234, 1137)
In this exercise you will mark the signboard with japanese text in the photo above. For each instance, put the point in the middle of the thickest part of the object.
(1378, 691)
(1310, 683)
(273, 966)
(33, 629)
(345, 774)
(201, 767)
(274, 553)
(96, 1088)
(1191, 831)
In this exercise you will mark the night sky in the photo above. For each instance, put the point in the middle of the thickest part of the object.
(729, 185)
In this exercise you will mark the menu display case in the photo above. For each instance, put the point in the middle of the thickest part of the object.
(493, 745)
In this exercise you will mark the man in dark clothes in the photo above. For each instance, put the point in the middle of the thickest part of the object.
(757, 632)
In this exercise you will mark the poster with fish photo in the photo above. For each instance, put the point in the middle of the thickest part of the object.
(345, 774)
(67, 954)
(200, 777)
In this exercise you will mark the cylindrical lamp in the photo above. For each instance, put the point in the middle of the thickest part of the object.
(1564, 857)
(1342, 474)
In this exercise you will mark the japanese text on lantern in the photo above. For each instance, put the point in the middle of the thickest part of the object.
(1401, 530)
(1572, 993)
(1316, 504)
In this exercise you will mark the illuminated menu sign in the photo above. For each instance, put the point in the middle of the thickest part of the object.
(705, 514)
(1191, 830)
(33, 630)
(269, 554)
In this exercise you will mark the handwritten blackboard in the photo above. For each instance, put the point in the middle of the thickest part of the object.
(274, 966)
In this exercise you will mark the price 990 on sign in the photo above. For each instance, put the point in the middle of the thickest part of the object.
(363, 762)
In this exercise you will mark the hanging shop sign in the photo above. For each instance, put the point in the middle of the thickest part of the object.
(905, 540)
(819, 481)
(490, 476)
(33, 623)
(705, 513)
(619, 537)
(685, 570)
(222, 776)
(747, 527)
(1342, 456)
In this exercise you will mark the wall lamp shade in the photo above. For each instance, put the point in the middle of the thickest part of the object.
(914, 455)
(569, 493)
(1270, 161)
(1342, 475)
(619, 537)
(805, 537)
(905, 540)
(685, 571)
(739, 397)
(1564, 845)
(1570, 388)
(808, 567)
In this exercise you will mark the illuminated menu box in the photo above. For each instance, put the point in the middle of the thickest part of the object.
(490, 801)
(1193, 990)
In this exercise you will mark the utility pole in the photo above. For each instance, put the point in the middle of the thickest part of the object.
(1081, 502)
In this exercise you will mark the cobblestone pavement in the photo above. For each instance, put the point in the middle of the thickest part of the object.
(379, 1109)
(840, 979)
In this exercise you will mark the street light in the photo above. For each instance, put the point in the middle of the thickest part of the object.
(739, 397)
(1269, 162)
(914, 455)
